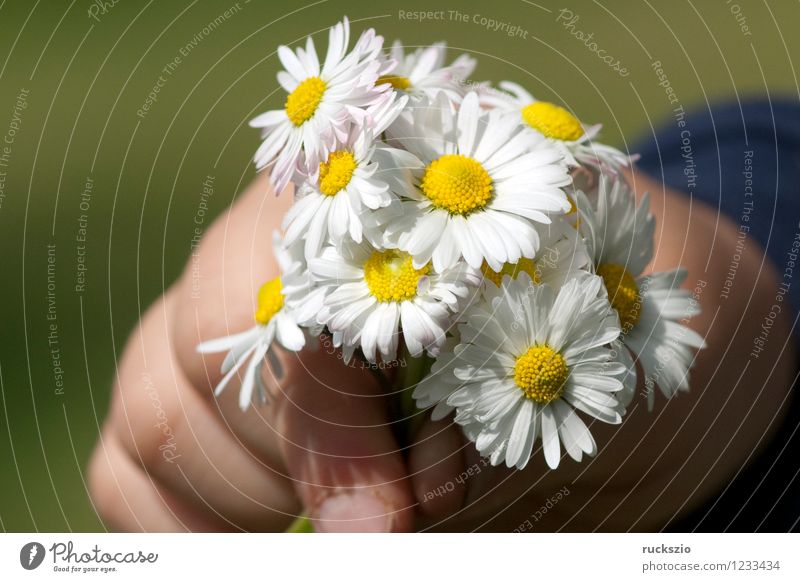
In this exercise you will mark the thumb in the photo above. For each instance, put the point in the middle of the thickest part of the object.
(339, 448)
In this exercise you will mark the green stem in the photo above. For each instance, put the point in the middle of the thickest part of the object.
(416, 370)
(301, 525)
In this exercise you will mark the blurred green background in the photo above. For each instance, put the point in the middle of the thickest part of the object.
(74, 74)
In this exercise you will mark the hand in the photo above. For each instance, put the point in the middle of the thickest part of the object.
(173, 457)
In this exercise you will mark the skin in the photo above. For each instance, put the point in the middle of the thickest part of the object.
(323, 444)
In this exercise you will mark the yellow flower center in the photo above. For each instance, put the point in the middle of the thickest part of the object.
(522, 266)
(552, 120)
(336, 173)
(304, 100)
(457, 184)
(573, 208)
(623, 293)
(402, 83)
(270, 300)
(541, 373)
(391, 276)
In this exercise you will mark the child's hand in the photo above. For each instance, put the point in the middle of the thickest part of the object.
(174, 457)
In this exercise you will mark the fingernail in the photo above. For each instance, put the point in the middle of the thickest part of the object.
(353, 512)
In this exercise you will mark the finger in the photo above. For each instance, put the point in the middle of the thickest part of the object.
(216, 297)
(438, 473)
(128, 500)
(167, 428)
(340, 450)
(123, 495)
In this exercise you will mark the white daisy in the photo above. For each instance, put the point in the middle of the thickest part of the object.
(529, 358)
(275, 321)
(322, 102)
(423, 73)
(370, 293)
(651, 309)
(481, 184)
(357, 176)
(562, 254)
(578, 141)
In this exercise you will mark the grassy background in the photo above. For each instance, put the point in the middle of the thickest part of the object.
(87, 77)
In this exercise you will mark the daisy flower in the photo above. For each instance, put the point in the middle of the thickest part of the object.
(562, 254)
(575, 139)
(619, 238)
(481, 184)
(322, 102)
(275, 322)
(335, 198)
(423, 73)
(530, 357)
(371, 293)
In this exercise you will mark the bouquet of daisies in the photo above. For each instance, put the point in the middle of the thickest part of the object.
(440, 223)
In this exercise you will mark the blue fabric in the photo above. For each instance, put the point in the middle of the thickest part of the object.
(707, 159)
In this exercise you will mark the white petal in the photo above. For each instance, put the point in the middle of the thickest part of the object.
(288, 334)
(520, 434)
(550, 442)
(223, 344)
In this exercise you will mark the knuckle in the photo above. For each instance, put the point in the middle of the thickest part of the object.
(148, 431)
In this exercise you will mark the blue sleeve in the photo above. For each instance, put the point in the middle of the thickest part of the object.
(744, 161)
